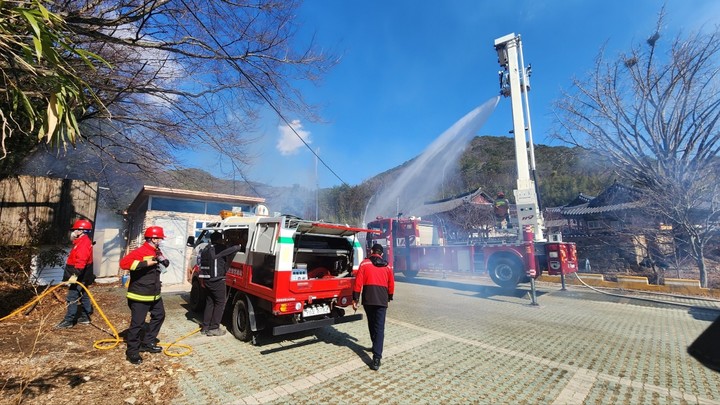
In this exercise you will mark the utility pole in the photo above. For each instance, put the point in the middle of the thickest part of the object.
(317, 186)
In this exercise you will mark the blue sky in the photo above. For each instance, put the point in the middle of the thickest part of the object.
(410, 69)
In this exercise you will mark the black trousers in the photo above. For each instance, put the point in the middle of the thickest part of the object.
(138, 313)
(214, 303)
(376, 325)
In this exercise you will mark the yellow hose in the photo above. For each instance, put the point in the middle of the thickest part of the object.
(38, 298)
(188, 349)
(106, 344)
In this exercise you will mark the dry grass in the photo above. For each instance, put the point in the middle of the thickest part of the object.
(39, 364)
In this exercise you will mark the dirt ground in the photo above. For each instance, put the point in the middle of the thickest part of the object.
(39, 364)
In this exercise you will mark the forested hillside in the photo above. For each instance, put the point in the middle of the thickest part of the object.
(489, 163)
(562, 172)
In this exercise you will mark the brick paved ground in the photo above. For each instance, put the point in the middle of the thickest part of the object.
(462, 341)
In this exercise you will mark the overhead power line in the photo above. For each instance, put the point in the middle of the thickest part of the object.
(261, 92)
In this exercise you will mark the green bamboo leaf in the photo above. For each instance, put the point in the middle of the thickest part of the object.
(87, 56)
(38, 48)
(44, 11)
(29, 109)
(71, 133)
(31, 19)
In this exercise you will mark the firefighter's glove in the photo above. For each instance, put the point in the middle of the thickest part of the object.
(162, 260)
(390, 297)
(72, 279)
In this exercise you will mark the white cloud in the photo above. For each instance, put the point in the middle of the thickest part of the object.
(289, 143)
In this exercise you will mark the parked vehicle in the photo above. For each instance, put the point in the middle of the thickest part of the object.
(293, 275)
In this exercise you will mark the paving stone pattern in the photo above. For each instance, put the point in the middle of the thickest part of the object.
(465, 342)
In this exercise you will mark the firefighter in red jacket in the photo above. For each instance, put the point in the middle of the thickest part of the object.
(376, 281)
(143, 294)
(79, 267)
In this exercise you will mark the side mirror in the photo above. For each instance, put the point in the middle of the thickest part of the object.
(191, 241)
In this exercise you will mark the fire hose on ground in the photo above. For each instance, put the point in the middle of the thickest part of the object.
(107, 344)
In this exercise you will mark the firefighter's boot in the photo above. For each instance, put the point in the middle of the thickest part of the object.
(215, 332)
(151, 348)
(84, 319)
(64, 325)
(134, 358)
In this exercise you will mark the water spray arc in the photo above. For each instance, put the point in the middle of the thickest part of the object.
(421, 179)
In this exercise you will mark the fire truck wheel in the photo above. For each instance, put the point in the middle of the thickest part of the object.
(506, 272)
(197, 296)
(240, 323)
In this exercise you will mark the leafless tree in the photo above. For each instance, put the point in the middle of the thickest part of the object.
(468, 221)
(186, 74)
(654, 112)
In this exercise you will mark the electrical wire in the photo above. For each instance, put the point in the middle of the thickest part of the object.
(259, 90)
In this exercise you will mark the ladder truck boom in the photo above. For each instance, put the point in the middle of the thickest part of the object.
(515, 83)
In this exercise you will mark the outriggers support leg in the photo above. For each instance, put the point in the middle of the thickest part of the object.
(533, 296)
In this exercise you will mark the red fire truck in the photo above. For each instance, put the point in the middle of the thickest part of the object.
(412, 244)
(291, 275)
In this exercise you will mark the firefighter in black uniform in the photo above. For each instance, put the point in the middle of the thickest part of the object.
(144, 294)
(213, 265)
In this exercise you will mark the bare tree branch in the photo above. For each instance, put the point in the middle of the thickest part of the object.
(168, 86)
(655, 114)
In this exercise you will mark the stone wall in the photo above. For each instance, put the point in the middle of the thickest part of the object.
(607, 254)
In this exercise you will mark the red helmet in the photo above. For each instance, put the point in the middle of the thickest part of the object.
(154, 232)
(82, 224)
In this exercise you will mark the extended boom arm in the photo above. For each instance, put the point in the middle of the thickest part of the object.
(514, 83)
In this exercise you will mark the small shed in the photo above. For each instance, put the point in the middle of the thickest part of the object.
(38, 211)
(181, 213)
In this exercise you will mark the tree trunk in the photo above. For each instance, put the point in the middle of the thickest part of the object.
(703, 270)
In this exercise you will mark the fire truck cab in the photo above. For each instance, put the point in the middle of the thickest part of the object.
(292, 274)
(413, 244)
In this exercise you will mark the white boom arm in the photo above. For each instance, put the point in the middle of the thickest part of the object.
(514, 82)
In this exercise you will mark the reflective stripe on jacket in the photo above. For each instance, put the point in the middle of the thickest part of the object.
(144, 278)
